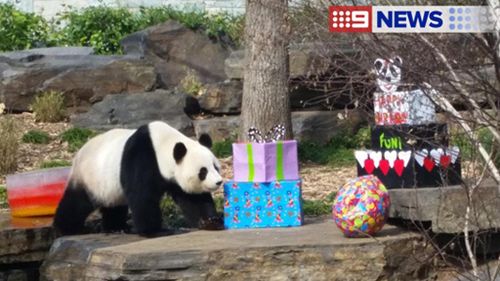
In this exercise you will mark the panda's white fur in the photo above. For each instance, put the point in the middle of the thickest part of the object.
(100, 156)
(97, 179)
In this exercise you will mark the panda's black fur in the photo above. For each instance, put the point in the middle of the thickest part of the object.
(143, 187)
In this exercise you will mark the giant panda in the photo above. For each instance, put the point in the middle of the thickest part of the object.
(131, 169)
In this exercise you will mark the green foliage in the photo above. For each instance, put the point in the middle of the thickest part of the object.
(76, 137)
(171, 213)
(468, 150)
(3, 198)
(102, 27)
(36, 137)
(362, 138)
(338, 152)
(19, 30)
(49, 107)
(9, 145)
(54, 164)
(222, 149)
(99, 26)
(219, 204)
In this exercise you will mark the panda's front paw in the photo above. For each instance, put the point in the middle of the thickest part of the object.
(211, 223)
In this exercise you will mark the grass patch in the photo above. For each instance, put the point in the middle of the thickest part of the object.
(54, 164)
(3, 198)
(77, 137)
(49, 107)
(36, 137)
(222, 149)
(9, 145)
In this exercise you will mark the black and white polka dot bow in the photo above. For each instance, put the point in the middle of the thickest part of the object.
(275, 134)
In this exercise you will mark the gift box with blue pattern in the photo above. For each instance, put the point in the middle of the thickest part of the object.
(270, 204)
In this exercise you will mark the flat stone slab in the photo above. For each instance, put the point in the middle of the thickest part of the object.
(445, 207)
(315, 251)
(24, 240)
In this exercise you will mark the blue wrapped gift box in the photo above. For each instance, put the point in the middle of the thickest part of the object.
(262, 204)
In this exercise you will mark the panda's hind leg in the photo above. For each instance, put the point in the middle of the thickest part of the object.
(73, 209)
(114, 219)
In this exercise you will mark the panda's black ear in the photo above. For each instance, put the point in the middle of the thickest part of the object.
(180, 151)
(205, 140)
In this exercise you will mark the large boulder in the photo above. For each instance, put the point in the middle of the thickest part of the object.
(222, 98)
(33, 54)
(134, 110)
(176, 51)
(315, 126)
(84, 79)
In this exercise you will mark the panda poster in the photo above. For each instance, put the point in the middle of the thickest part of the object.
(393, 106)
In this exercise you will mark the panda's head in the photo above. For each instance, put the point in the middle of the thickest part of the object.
(197, 169)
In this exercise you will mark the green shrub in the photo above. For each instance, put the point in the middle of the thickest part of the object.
(9, 145)
(19, 30)
(54, 164)
(49, 107)
(468, 151)
(77, 137)
(222, 149)
(36, 137)
(3, 198)
(100, 27)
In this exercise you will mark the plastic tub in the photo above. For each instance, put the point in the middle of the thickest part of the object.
(36, 193)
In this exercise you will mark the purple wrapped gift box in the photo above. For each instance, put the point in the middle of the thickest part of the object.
(265, 162)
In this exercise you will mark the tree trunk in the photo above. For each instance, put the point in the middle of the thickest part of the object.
(265, 89)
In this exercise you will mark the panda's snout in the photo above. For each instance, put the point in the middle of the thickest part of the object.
(219, 183)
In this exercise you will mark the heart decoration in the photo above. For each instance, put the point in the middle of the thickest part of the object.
(420, 155)
(436, 154)
(445, 161)
(399, 167)
(376, 156)
(454, 152)
(428, 164)
(391, 156)
(361, 156)
(405, 156)
(384, 166)
(369, 166)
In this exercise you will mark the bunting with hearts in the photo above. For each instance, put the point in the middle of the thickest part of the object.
(397, 169)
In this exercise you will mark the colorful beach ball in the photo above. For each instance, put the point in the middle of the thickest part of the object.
(361, 206)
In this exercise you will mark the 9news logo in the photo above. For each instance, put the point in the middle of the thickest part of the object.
(350, 19)
(411, 19)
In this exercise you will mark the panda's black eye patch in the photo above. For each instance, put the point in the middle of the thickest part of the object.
(217, 169)
(202, 175)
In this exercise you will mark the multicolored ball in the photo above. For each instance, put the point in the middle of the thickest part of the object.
(361, 206)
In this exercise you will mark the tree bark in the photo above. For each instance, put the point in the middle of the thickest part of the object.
(265, 88)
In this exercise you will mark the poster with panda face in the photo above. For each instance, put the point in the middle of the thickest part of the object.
(395, 107)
